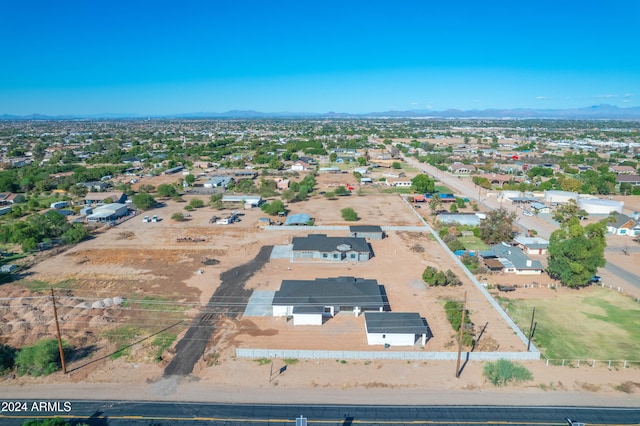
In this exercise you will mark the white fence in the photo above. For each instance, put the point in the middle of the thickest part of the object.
(593, 363)
(384, 355)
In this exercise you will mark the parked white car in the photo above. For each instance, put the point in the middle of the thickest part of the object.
(527, 213)
(145, 219)
(154, 218)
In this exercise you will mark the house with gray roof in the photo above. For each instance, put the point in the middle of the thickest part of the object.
(512, 259)
(218, 182)
(310, 302)
(395, 328)
(331, 249)
(540, 208)
(623, 225)
(532, 245)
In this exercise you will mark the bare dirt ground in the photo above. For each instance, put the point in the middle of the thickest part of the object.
(136, 260)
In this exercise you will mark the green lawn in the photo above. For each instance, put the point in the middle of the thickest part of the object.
(592, 323)
(443, 189)
(473, 243)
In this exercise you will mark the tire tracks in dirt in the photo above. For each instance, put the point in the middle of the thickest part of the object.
(229, 300)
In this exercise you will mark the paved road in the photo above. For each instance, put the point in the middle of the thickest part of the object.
(463, 186)
(173, 413)
(192, 346)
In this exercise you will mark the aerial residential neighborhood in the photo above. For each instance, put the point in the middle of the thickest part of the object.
(263, 239)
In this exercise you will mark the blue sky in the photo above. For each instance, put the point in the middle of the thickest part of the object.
(163, 57)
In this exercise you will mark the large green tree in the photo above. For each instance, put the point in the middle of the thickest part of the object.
(576, 252)
(273, 208)
(497, 227)
(423, 184)
(144, 201)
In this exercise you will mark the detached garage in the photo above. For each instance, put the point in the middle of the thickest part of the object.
(395, 328)
(363, 231)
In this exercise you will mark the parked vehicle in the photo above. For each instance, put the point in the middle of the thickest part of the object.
(527, 213)
(154, 218)
(145, 219)
(223, 222)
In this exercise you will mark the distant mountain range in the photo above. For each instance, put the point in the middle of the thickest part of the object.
(595, 112)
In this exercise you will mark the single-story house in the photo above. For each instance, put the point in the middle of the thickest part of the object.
(513, 260)
(310, 301)
(398, 182)
(540, 208)
(395, 328)
(218, 182)
(108, 213)
(101, 197)
(245, 174)
(7, 198)
(532, 245)
(298, 219)
(336, 249)
(460, 168)
(249, 201)
(366, 231)
(622, 170)
(300, 166)
(624, 225)
(95, 185)
(366, 181)
(632, 179)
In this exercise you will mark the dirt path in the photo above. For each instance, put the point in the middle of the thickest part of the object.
(227, 301)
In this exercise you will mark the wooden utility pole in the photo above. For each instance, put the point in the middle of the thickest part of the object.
(533, 314)
(55, 314)
(464, 311)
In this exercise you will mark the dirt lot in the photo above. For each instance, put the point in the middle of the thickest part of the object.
(136, 260)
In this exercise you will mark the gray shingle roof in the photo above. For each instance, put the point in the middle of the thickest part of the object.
(395, 323)
(322, 243)
(345, 291)
(515, 256)
(365, 228)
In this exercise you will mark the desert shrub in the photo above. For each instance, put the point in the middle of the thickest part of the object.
(349, 214)
(196, 203)
(178, 217)
(434, 277)
(42, 358)
(504, 371)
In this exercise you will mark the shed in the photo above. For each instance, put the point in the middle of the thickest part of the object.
(395, 328)
(298, 219)
(365, 231)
